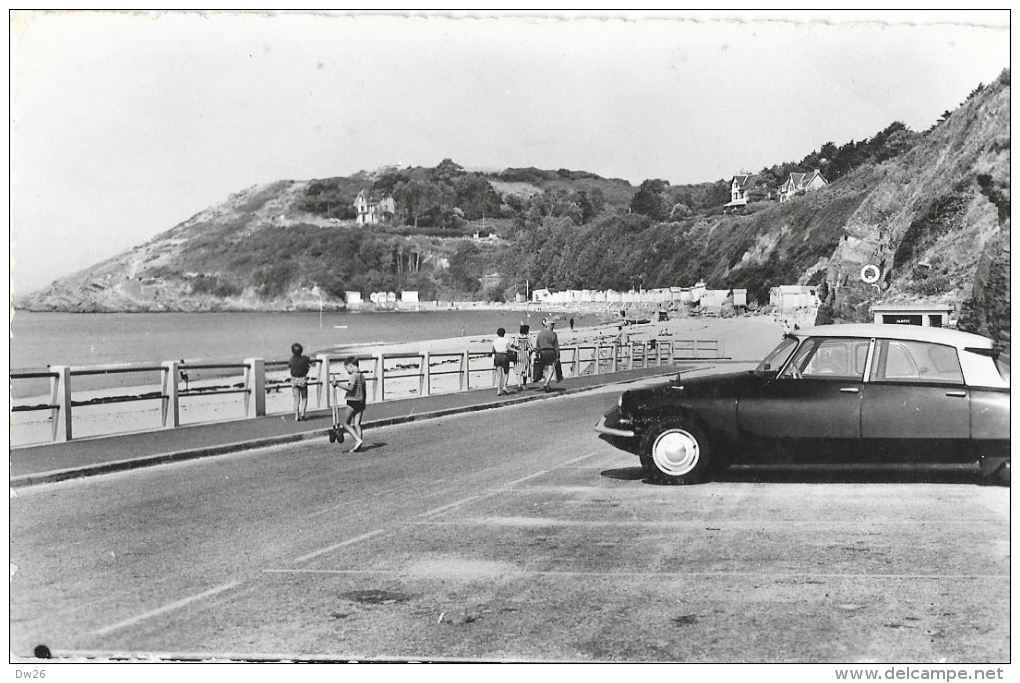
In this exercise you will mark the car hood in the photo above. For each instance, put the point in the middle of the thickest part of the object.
(733, 384)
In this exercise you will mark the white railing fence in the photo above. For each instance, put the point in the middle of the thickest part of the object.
(388, 377)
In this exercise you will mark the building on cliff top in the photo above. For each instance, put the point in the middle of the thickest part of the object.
(801, 182)
(372, 210)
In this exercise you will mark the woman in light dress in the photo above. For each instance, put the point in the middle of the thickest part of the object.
(521, 348)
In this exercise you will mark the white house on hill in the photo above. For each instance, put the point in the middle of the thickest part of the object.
(801, 182)
(740, 186)
(374, 210)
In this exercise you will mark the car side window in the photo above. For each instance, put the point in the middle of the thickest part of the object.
(911, 361)
(829, 358)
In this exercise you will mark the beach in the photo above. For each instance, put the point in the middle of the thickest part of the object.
(745, 338)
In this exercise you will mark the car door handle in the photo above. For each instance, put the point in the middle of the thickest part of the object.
(958, 394)
(849, 390)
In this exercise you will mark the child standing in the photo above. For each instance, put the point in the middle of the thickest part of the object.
(299, 365)
(501, 360)
(354, 385)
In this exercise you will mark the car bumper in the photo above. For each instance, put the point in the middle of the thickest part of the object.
(603, 428)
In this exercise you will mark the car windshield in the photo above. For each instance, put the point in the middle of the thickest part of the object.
(779, 355)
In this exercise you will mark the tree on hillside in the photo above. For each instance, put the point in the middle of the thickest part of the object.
(465, 270)
(447, 171)
(591, 202)
(716, 195)
(418, 199)
(828, 151)
(648, 200)
(475, 196)
(389, 181)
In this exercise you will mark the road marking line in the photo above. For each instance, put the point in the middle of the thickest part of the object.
(427, 513)
(349, 541)
(523, 479)
(678, 575)
(444, 508)
(489, 494)
(166, 608)
(583, 457)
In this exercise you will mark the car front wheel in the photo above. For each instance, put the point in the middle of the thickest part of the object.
(676, 452)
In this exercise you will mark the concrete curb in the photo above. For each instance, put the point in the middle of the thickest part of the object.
(238, 446)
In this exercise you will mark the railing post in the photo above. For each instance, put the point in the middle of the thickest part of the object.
(425, 388)
(694, 348)
(255, 386)
(576, 365)
(465, 379)
(598, 358)
(324, 359)
(658, 355)
(616, 356)
(380, 367)
(61, 397)
(171, 399)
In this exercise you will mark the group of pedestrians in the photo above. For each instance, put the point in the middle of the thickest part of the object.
(347, 419)
(531, 361)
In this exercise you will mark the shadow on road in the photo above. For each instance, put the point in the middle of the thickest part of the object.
(829, 474)
(624, 473)
(855, 474)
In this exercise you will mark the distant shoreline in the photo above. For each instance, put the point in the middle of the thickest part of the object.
(367, 308)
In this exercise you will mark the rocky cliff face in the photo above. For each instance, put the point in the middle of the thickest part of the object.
(935, 222)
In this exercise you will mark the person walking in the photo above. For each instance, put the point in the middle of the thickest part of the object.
(501, 361)
(299, 365)
(521, 349)
(350, 418)
(548, 346)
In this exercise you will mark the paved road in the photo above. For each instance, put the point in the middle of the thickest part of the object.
(510, 534)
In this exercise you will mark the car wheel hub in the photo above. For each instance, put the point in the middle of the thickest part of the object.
(676, 452)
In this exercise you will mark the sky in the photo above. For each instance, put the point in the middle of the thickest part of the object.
(126, 124)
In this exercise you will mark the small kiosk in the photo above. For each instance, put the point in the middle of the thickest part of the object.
(925, 315)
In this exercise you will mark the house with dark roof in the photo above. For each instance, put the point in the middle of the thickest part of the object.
(372, 210)
(801, 182)
(740, 187)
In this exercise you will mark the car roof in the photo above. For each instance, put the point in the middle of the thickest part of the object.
(934, 335)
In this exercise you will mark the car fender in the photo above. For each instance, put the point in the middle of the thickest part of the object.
(717, 416)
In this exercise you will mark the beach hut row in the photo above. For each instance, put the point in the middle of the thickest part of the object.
(664, 297)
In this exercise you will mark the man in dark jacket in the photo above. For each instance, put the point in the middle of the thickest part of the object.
(548, 348)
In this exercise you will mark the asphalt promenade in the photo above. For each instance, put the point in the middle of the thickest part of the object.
(52, 462)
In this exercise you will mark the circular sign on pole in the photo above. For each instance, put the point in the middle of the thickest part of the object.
(870, 274)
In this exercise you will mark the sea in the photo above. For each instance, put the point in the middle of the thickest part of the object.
(86, 339)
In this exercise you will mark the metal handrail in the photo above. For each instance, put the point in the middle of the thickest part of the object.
(33, 375)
